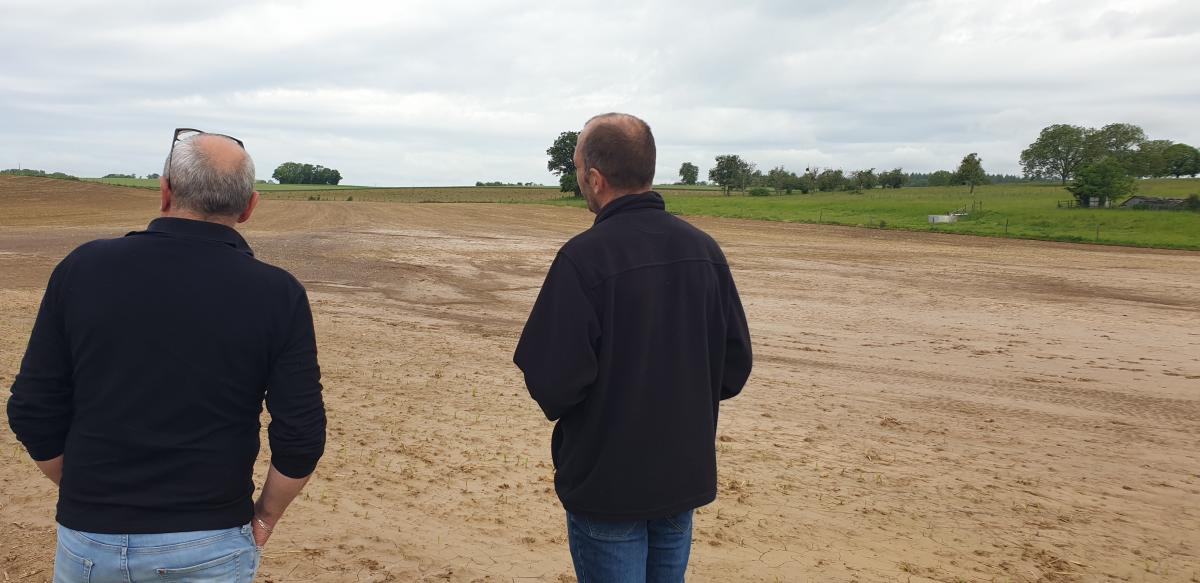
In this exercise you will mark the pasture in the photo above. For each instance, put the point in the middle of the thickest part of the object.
(1025, 211)
(924, 406)
(1021, 211)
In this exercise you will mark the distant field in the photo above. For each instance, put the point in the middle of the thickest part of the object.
(689, 190)
(379, 194)
(152, 183)
(1030, 212)
(426, 194)
(414, 194)
(465, 194)
(1026, 211)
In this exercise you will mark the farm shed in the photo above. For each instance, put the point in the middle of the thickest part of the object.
(1155, 203)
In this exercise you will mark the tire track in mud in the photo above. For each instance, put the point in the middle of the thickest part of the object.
(1185, 413)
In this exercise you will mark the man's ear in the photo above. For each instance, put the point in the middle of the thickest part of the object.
(245, 216)
(597, 180)
(165, 189)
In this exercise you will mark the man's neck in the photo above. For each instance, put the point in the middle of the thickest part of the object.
(228, 221)
(623, 194)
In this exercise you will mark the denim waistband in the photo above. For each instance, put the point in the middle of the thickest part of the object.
(159, 542)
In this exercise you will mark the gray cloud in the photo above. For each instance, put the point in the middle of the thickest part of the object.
(449, 92)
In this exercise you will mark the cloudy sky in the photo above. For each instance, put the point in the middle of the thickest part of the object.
(449, 92)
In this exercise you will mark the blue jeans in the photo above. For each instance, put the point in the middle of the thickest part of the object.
(643, 551)
(228, 556)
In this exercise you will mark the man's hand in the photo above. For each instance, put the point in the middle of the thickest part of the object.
(277, 493)
(53, 469)
(261, 532)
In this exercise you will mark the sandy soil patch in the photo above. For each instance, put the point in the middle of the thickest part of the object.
(923, 407)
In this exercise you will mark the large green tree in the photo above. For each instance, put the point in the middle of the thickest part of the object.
(688, 173)
(297, 173)
(786, 181)
(1059, 152)
(731, 171)
(289, 173)
(807, 182)
(831, 180)
(569, 183)
(562, 161)
(1149, 159)
(864, 179)
(755, 177)
(1180, 160)
(1103, 180)
(970, 172)
(1115, 140)
(782, 180)
(941, 178)
(327, 176)
(894, 178)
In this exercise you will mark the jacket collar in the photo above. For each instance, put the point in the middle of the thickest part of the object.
(631, 202)
(203, 230)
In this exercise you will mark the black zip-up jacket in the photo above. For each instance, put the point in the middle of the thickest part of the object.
(636, 337)
(147, 369)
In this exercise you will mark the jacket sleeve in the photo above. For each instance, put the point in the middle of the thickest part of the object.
(557, 350)
(41, 405)
(738, 355)
(297, 429)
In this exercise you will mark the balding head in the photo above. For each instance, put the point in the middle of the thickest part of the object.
(621, 147)
(210, 175)
(224, 154)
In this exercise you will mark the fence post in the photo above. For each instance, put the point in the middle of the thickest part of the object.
(1005, 227)
(1097, 233)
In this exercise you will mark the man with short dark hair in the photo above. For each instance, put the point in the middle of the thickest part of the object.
(141, 390)
(637, 335)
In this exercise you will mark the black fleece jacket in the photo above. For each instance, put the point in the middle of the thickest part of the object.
(636, 337)
(147, 369)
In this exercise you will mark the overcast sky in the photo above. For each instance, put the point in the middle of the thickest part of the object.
(448, 92)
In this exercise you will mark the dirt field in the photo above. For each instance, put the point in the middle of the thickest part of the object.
(923, 407)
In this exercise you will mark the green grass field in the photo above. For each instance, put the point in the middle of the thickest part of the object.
(1026, 211)
(1029, 210)
(681, 189)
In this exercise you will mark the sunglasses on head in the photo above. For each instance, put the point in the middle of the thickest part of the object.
(187, 134)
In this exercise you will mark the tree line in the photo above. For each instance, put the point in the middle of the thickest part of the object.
(947, 178)
(1104, 164)
(732, 172)
(37, 173)
(500, 183)
(1062, 151)
(297, 173)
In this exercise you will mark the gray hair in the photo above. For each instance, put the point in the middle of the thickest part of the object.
(199, 186)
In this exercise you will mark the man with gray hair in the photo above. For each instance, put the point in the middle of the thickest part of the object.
(141, 390)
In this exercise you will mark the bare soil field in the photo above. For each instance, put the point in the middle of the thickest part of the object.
(923, 407)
